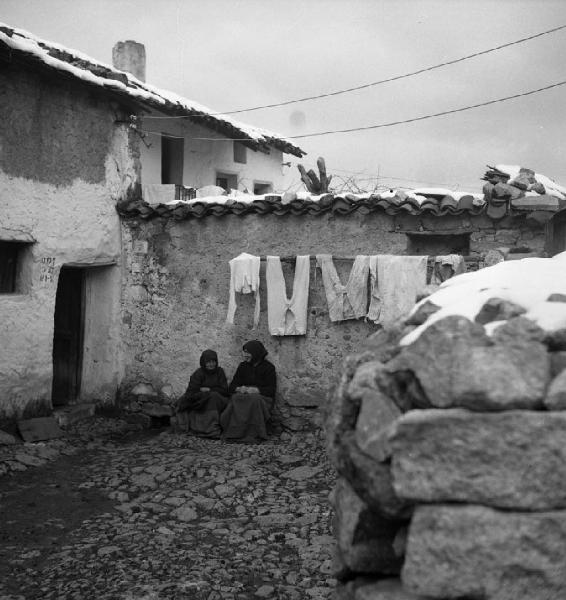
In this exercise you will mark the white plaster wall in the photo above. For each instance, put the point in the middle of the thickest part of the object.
(76, 224)
(204, 158)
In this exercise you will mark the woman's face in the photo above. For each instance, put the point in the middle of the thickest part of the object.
(247, 356)
(210, 365)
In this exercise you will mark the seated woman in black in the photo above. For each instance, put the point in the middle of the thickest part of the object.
(252, 395)
(205, 398)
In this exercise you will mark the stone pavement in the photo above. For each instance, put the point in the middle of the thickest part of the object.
(166, 516)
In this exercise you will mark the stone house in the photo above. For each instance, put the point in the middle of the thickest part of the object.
(71, 147)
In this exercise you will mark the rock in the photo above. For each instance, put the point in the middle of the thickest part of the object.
(479, 552)
(422, 313)
(556, 395)
(29, 460)
(508, 371)
(365, 538)
(185, 513)
(377, 415)
(492, 257)
(143, 389)
(557, 362)
(372, 481)
(6, 439)
(512, 460)
(497, 309)
(301, 473)
(387, 589)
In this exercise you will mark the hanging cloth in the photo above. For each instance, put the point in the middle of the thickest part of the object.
(395, 282)
(287, 316)
(446, 267)
(244, 279)
(349, 301)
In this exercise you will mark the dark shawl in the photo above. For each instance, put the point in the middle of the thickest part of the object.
(259, 373)
(215, 380)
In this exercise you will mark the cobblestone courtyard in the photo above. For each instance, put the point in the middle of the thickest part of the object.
(165, 515)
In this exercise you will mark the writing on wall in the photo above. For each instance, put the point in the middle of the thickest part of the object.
(47, 269)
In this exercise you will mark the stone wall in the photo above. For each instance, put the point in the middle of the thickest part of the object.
(176, 282)
(452, 459)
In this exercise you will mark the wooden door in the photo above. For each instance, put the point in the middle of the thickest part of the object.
(68, 336)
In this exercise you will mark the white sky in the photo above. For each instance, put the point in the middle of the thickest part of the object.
(233, 54)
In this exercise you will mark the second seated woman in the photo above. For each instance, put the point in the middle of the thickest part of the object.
(252, 393)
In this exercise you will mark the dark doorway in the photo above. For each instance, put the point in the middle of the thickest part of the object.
(68, 336)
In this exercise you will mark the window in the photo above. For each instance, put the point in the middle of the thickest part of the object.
(227, 181)
(11, 272)
(240, 155)
(172, 159)
(437, 244)
(262, 187)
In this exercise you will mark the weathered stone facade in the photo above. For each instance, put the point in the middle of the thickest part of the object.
(176, 283)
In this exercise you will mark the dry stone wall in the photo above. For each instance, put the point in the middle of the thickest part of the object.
(452, 461)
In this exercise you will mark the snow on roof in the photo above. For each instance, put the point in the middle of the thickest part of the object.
(93, 72)
(527, 282)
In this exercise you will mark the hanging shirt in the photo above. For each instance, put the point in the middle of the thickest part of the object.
(287, 317)
(349, 301)
(447, 266)
(244, 279)
(395, 282)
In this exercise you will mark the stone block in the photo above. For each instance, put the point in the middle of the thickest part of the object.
(39, 429)
(377, 415)
(479, 552)
(513, 460)
(6, 439)
(556, 395)
(509, 371)
(557, 362)
(365, 538)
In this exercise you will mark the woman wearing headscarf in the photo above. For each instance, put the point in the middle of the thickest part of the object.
(252, 395)
(206, 397)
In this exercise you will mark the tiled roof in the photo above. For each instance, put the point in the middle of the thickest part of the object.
(19, 46)
(275, 204)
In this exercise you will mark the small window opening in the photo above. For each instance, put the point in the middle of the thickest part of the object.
(227, 181)
(172, 159)
(423, 244)
(12, 274)
(240, 153)
(262, 187)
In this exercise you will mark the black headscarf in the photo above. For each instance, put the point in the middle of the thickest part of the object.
(256, 349)
(205, 357)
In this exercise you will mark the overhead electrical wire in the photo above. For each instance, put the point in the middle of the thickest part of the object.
(374, 83)
(379, 125)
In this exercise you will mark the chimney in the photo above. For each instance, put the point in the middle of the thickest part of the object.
(129, 56)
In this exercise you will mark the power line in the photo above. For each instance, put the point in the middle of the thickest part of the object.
(374, 83)
(381, 125)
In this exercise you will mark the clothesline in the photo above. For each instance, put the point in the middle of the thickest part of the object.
(431, 259)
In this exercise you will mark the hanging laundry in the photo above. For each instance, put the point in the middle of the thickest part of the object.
(349, 301)
(395, 282)
(287, 316)
(447, 266)
(244, 279)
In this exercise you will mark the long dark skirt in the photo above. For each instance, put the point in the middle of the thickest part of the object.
(245, 418)
(204, 421)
